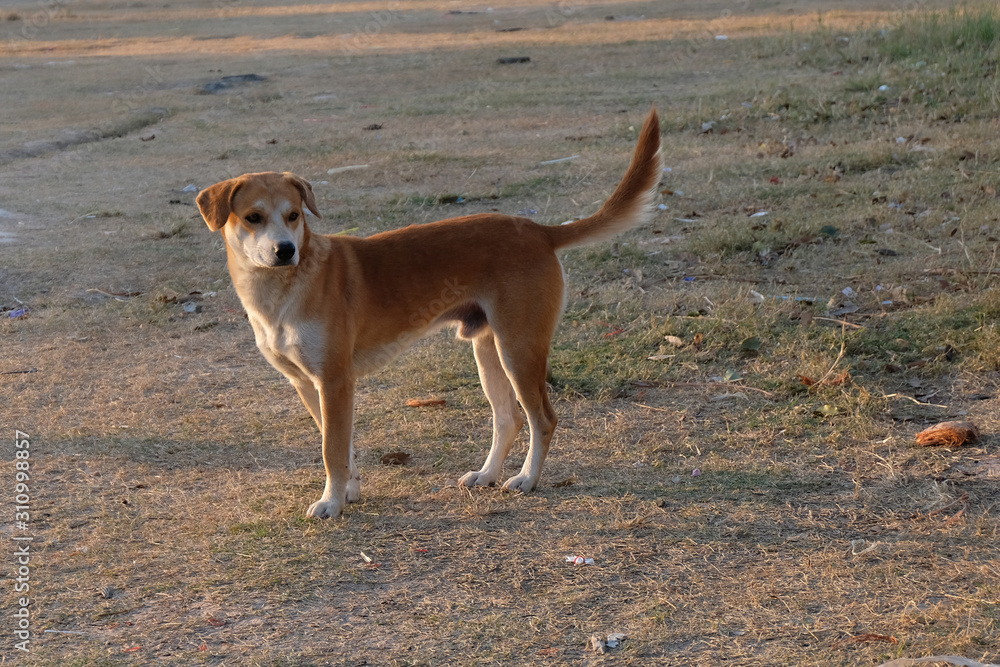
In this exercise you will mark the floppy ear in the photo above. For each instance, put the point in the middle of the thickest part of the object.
(215, 203)
(305, 190)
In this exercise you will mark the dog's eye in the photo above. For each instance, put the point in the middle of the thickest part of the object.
(293, 216)
(253, 218)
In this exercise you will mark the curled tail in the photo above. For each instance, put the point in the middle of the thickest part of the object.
(630, 205)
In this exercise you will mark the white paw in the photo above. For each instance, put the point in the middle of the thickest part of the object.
(476, 478)
(519, 483)
(354, 489)
(324, 509)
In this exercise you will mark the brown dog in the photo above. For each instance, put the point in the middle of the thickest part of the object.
(328, 309)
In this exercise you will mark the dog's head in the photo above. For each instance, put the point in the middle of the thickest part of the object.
(261, 215)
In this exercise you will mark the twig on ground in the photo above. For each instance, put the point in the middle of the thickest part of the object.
(843, 346)
(650, 407)
(673, 385)
(910, 398)
(124, 296)
(961, 501)
(841, 322)
(866, 637)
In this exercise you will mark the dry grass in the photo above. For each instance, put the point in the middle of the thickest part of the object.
(174, 466)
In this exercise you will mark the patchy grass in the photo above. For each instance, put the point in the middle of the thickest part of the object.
(972, 32)
(738, 383)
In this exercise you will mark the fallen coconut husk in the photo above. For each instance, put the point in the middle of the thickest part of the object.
(952, 434)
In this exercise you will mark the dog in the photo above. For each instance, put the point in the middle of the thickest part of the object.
(326, 310)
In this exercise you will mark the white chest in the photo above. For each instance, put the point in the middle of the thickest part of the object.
(291, 346)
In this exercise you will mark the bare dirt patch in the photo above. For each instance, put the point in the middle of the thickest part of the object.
(739, 384)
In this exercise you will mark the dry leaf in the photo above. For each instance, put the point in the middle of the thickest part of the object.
(839, 308)
(826, 411)
(674, 340)
(396, 459)
(836, 380)
(832, 381)
(424, 402)
(951, 434)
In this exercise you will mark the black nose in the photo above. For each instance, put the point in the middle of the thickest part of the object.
(284, 251)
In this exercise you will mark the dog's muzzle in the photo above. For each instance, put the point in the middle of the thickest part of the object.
(283, 253)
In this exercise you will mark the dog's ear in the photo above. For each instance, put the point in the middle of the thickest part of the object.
(305, 190)
(215, 202)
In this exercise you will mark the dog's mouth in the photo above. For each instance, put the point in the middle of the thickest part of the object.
(279, 264)
(281, 255)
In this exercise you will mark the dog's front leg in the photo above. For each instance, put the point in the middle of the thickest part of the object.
(342, 481)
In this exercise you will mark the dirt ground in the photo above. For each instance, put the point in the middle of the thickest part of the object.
(739, 383)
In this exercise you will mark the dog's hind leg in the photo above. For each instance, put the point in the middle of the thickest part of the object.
(524, 360)
(507, 420)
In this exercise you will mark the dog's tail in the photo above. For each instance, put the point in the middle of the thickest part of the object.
(630, 205)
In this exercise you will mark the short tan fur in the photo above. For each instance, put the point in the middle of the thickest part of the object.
(326, 310)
